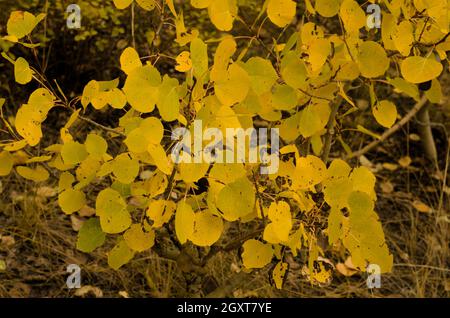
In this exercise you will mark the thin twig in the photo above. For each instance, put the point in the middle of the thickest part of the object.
(392, 130)
(101, 126)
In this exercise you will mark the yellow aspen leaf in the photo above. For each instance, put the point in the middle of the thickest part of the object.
(90, 92)
(21, 23)
(87, 170)
(90, 236)
(71, 200)
(184, 222)
(96, 145)
(116, 98)
(129, 60)
(314, 118)
(160, 212)
(262, 74)
(125, 168)
(183, 36)
(149, 131)
(157, 184)
(168, 100)
(319, 49)
(289, 128)
(120, 254)
(372, 60)
(281, 12)
(28, 124)
(109, 200)
(284, 97)
(201, 4)
(293, 70)
(58, 163)
(147, 5)
(366, 131)
(171, 7)
(115, 221)
(43, 100)
(38, 159)
(364, 181)
(234, 87)
(434, 94)
(385, 112)
(137, 239)
(236, 199)
(387, 28)
(227, 172)
(192, 172)
(39, 174)
(417, 69)
(184, 62)
(222, 13)
(6, 163)
(405, 87)
(141, 88)
(73, 153)
(122, 4)
(335, 228)
(403, 37)
(308, 32)
(66, 179)
(320, 275)
(327, 8)
(270, 235)
(160, 158)
(309, 171)
(279, 273)
(256, 254)
(353, 17)
(22, 71)
(365, 238)
(280, 216)
(224, 52)
(207, 229)
(199, 57)
(15, 146)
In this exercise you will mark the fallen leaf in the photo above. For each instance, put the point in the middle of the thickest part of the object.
(124, 294)
(390, 166)
(387, 187)
(421, 207)
(348, 262)
(77, 222)
(7, 241)
(365, 162)
(86, 211)
(405, 161)
(344, 270)
(85, 290)
(20, 290)
(2, 265)
(46, 192)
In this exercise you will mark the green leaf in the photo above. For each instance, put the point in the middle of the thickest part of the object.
(90, 236)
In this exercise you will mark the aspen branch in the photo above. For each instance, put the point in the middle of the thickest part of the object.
(111, 130)
(410, 115)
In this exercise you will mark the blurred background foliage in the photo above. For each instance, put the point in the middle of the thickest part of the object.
(73, 57)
